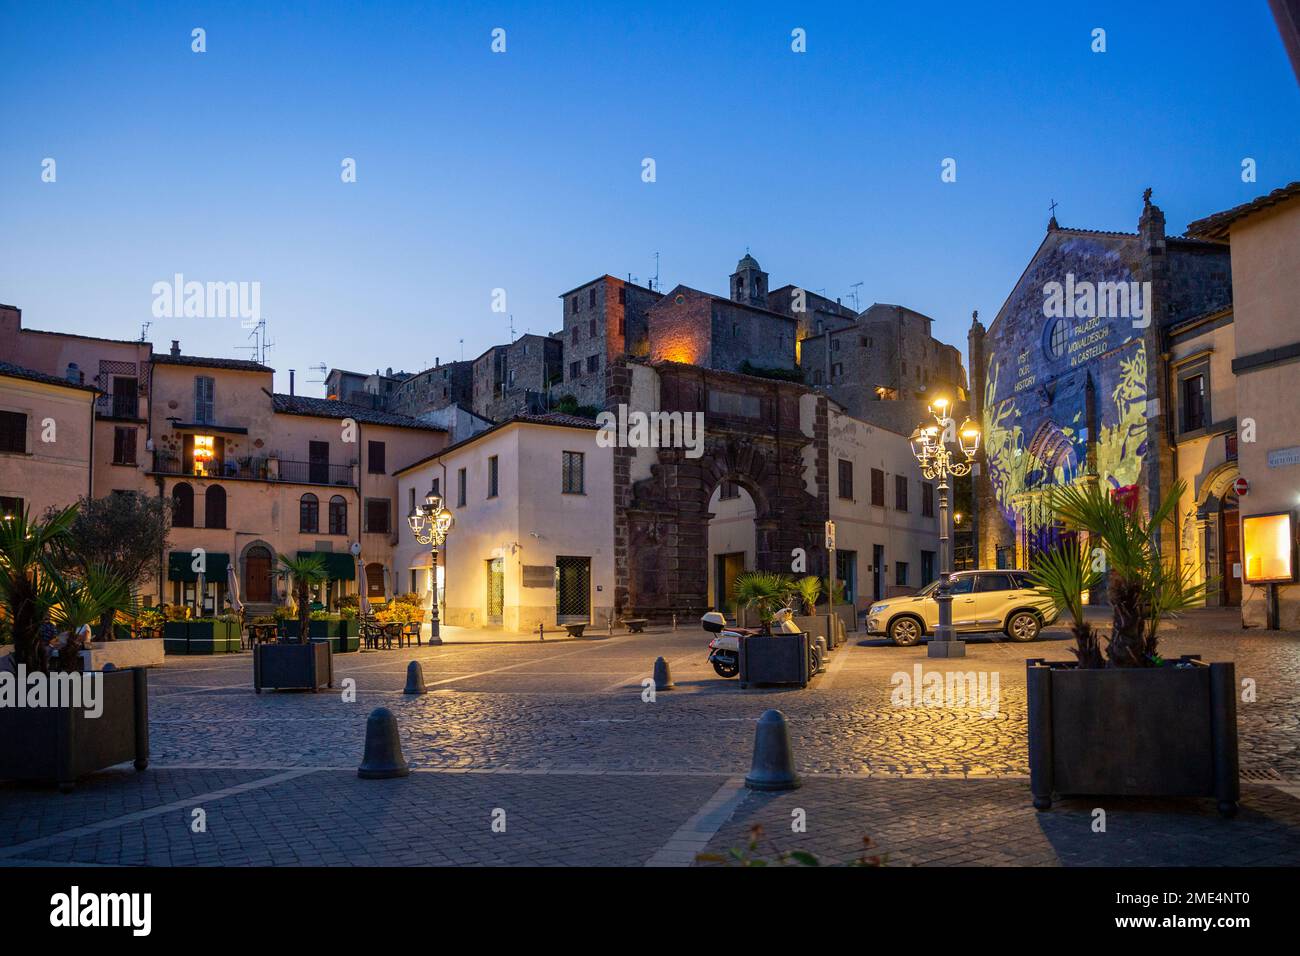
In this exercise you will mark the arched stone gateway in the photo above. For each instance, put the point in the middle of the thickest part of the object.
(1211, 536)
(767, 436)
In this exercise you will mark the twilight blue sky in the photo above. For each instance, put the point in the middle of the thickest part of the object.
(522, 170)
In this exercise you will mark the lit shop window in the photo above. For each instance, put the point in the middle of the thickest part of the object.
(1267, 543)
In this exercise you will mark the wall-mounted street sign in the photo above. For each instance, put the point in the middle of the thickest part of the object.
(830, 534)
(1281, 457)
(1241, 486)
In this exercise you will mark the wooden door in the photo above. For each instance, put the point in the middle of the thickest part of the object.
(257, 577)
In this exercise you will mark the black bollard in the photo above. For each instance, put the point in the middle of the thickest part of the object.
(663, 678)
(383, 759)
(773, 766)
(414, 678)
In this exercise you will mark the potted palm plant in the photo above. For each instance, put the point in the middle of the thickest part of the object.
(805, 592)
(1120, 719)
(302, 664)
(767, 658)
(87, 720)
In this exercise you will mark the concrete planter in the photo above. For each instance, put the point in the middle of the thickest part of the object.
(818, 625)
(141, 652)
(61, 744)
(339, 630)
(201, 636)
(293, 666)
(1144, 731)
(781, 659)
(848, 615)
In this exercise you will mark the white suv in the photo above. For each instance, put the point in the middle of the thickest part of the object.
(982, 601)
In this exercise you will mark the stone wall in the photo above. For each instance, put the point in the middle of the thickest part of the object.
(756, 436)
(513, 379)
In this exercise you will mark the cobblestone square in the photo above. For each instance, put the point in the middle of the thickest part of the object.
(555, 743)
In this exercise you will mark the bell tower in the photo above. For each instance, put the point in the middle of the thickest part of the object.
(749, 283)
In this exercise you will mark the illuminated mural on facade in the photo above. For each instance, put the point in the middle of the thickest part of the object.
(1044, 366)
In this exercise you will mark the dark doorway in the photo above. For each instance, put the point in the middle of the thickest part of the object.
(1230, 536)
(572, 590)
(877, 572)
(726, 568)
(318, 462)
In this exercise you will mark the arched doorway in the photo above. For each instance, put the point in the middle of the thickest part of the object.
(258, 566)
(732, 540)
(1218, 536)
(375, 589)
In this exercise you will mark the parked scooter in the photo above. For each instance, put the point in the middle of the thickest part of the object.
(724, 650)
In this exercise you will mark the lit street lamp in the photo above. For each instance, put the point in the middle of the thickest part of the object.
(430, 523)
(930, 446)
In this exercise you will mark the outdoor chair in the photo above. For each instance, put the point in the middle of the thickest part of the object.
(372, 632)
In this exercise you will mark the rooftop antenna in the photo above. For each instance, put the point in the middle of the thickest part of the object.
(319, 369)
(654, 283)
(462, 350)
(144, 331)
(854, 292)
(512, 326)
(260, 342)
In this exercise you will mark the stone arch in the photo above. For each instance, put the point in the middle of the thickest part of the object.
(663, 529)
(242, 568)
(1205, 547)
(1213, 487)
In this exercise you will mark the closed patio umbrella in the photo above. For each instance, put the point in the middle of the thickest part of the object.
(232, 595)
(232, 589)
(200, 586)
(363, 602)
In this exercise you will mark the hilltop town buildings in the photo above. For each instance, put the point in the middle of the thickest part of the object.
(552, 522)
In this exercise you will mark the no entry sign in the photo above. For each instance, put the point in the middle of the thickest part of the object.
(1241, 486)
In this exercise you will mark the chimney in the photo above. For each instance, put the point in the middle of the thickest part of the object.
(176, 347)
(290, 382)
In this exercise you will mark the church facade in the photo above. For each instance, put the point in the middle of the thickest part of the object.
(1100, 366)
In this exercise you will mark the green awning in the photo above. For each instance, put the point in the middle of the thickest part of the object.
(180, 566)
(340, 566)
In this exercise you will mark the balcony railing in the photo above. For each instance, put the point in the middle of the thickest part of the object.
(260, 468)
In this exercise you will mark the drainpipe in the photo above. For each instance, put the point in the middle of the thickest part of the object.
(90, 472)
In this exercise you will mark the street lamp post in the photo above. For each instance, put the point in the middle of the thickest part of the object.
(430, 523)
(930, 446)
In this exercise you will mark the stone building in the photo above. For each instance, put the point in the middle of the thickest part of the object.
(517, 379)
(777, 460)
(736, 334)
(444, 384)
(1097, 368)
(885, 367)
(815, 313)
(603, 319)
(372, 390)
